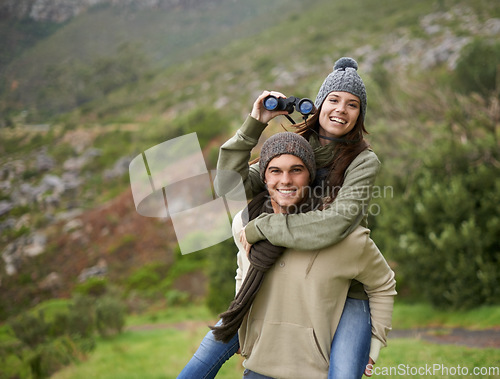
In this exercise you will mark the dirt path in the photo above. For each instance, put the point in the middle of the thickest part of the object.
(489, 338)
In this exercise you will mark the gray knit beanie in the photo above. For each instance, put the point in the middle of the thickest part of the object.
(343, 78)
(287, 143)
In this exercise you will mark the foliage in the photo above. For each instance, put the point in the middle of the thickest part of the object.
(110, 316)
(146, 277)
(221, 270)
(45, 344)
(94, 286)
(207, 123)
(66, 86)
(443, 232)
(478, 69)
(30, 329)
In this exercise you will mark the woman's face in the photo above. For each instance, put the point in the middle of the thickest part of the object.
(287, 181)
(338, 114)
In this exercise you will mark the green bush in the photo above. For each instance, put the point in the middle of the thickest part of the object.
(110, 316)
(221, 270)
(176, 298)
(81, 319)
(31, 329)
(146, 277)
(206, 122)
(478, 68)
(443, 233)
(50, 357)
(92, 287)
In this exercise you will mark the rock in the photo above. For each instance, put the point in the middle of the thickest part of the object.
(53, 183)
(24, 247)
(5, 207)
(51, 282)
(69, 214)
(75, 164)
(36, 245)
(44, 162)
(99, 270)
(492, 27)
(73, 225)
(119, 169)
(10, 223)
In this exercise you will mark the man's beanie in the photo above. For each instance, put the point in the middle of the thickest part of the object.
(343, 78)
(287, 143)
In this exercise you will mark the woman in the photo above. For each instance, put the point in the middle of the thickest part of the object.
(347, 169)
(288, 329)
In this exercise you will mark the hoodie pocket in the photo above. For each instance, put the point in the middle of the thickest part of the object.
(288, 348)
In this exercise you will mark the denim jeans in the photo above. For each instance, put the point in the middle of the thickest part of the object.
(351, 342)
(209, 358)
(348, 357)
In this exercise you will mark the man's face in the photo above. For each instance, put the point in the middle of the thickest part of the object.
(287, 180)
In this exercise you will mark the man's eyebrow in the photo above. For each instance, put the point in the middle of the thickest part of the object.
(279, 168)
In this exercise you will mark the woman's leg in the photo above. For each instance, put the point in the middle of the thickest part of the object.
(209, 358)
(351, 343)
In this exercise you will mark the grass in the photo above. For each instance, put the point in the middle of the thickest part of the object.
(408, 316)
(162, 352)
(157, 353)
(414, 358)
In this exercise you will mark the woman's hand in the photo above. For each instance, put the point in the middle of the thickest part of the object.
(244, 242)
(369, 367)
(260, 113)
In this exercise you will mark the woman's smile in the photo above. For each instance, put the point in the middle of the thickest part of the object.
(338, 114)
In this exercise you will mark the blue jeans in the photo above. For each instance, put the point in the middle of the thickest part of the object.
(348, 357)
(351, 342)
(209, 358)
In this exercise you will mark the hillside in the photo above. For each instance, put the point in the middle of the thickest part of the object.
(70, 126)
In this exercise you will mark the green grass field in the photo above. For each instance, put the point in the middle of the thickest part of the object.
(160, 344)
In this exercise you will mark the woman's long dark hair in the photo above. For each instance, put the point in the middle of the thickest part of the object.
(348, 148)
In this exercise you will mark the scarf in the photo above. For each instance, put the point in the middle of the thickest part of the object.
(323, 154)
(263, 255)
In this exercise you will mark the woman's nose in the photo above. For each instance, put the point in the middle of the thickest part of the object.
(341, 107)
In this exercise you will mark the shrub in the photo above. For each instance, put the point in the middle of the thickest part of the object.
(29, 328)
(221, 271)
(49, 357)
(146, 277)
(110, 316)
(478, 68)
(92, 287)
(176, 297)
(81, 319)
(444, 232)
(206, 122)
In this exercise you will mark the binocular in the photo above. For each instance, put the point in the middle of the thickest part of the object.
(273, 103)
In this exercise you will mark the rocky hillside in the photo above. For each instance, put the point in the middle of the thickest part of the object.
(63, 10)
(66, 213)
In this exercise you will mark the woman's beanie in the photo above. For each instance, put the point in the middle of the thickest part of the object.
(343, 78)
(287, 143)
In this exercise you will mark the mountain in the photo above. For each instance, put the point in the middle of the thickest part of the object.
(81, 97)
(63, 10)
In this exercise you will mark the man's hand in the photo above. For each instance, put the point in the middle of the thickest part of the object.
(369, 368)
